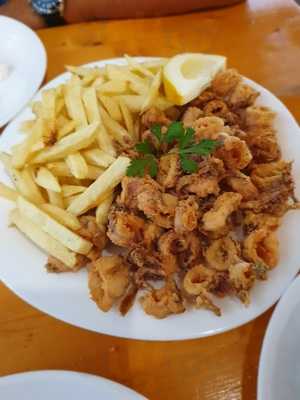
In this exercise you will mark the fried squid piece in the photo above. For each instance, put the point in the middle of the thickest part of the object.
(159, 207)
(186, 215)
(204, 97)
(108, 281)
(225, 82)
(219, 108)
(197, 283)
(261, 246)
(151, 234)
(241, 279)
(242, 96)
(222, 253)
(235, 153)
(253, 221)
(208, 128)
(91, 231)
(163, 302)
(132, 187)
(272, 176)
(259, 116)
(125, 229)
(146, 265)
(242, 184)
(191, 115)
(263, 144)
(154, 116)
(216, 218)
(168, 170)
(179, 250)
(205, 181)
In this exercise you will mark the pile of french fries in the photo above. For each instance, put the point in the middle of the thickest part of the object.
(69, 163)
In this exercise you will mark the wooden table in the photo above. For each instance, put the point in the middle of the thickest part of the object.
(262, 39)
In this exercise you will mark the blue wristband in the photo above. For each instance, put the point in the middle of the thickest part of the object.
(3, 2)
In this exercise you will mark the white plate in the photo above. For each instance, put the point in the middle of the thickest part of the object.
(65, 296)
(25, 54)
(62, 385)
(279, 367)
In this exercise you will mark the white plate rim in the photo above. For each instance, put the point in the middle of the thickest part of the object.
(39, 76)
(52, 373)
(157, 336)
(280, 315)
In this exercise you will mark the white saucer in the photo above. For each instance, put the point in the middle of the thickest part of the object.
(279, 367)
(62, 385)
(24, 53)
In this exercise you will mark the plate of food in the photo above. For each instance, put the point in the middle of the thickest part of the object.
(23, 63)
(60, 385)
(155, 192)
(279, 364)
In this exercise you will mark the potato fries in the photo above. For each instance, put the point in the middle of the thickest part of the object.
(43, 240)
(47, 180)
(68, 144)
(95, 193)
(52, 227)
(69, 162)
(77, 165)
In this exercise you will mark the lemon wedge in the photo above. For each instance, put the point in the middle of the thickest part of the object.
(186, 75)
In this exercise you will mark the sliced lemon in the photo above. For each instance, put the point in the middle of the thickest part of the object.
(186, 75)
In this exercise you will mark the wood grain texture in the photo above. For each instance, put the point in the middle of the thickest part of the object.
(261, 38)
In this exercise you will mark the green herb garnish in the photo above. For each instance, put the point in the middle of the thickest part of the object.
(186, 148)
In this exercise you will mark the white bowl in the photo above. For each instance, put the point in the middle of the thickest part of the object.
(62, 385)
(66, 296)
(22, 50)
(279, 367)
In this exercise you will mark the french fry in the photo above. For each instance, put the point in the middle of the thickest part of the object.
(98, 157)
(133, 102)
(91, 105)
(62, 216)
(71, 190)
(55, 198)
(122, 73)
(136, 66)
(53, 228)
(98, 82)
(68, 144)
(92, 109)
(48, 106)
(68, 200)
(60, 168)
(22, 151)
(102, 210)
(26, 180)
(127, 117)
(43, 240)
(153, 92)
(98, 190)
(111, 106)
(74, 104)
(7, 192)
(116, 129)
(116, 86)
(77, 165)
(47, 180)
(105, 141)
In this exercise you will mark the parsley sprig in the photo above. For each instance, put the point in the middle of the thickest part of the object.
(184, 137)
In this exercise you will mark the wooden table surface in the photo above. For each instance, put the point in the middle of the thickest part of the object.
(262, 39)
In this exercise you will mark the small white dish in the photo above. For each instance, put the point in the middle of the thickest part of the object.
(66, 296)
(24, 54)
(62, 385)
(279, 367)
